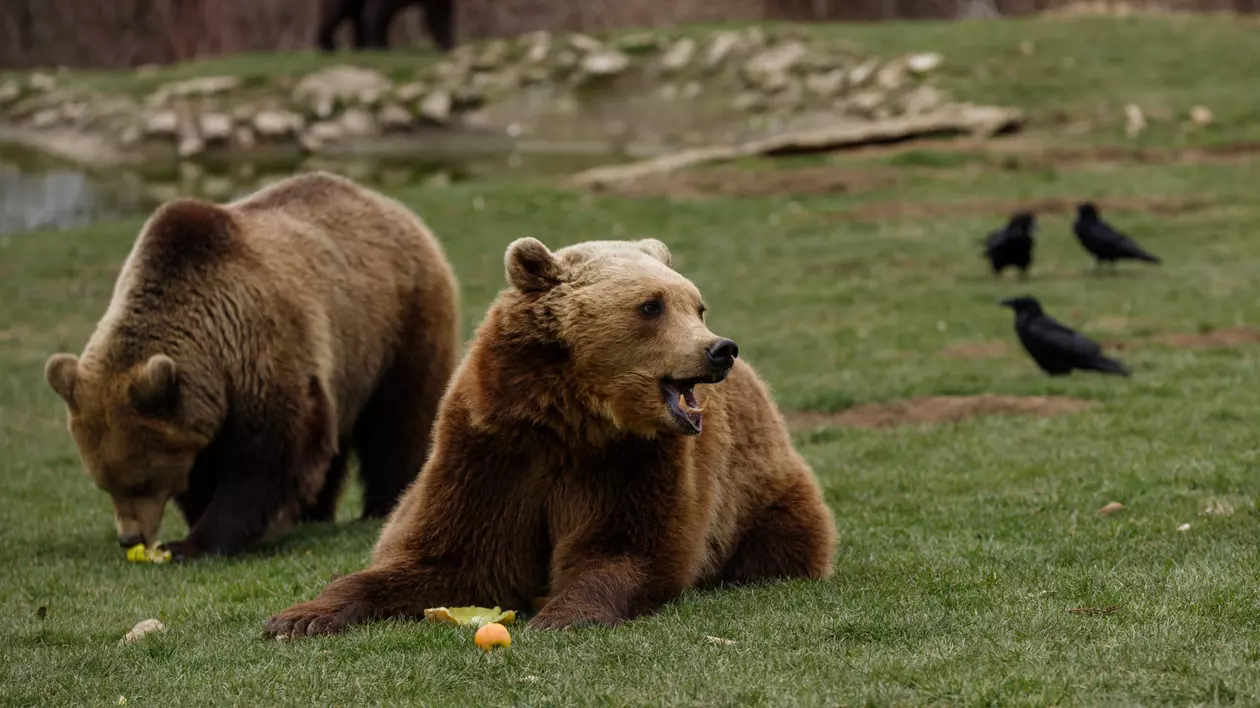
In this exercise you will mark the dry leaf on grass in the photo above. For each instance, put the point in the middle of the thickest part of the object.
(1110, 508)
(142, 628)
(1184, 527)
(721, 642)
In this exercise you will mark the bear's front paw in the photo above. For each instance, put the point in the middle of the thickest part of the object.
(182, 551)
(310, 619)
(559, 617)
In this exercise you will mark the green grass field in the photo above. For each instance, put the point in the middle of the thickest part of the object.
(963, 546)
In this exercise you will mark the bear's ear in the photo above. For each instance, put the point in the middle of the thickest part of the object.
(61, 371)
(655, 249)
(155, 389)
(530, 266)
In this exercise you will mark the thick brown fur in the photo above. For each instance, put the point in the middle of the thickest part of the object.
(558, 471)
(249, 347)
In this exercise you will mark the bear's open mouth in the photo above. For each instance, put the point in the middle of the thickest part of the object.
(680, 397)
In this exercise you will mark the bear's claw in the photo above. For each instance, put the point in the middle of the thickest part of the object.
(309, 619)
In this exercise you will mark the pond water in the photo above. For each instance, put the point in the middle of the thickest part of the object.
(38, 193)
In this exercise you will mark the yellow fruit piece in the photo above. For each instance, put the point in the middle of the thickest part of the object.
(492, 635)
(140, 553)
(470, 616)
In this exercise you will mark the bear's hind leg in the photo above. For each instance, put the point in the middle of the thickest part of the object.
(391, 436)
(324, 509)
(794, 537)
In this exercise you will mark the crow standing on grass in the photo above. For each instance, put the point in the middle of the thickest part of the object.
(1012, 245)
(1057, 349)
(1099, 238)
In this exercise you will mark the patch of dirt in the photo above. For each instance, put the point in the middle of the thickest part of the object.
(936, 409)
(975, 350)
(1027, 152)
(930, 210)
(731, 182)
(1216, 339)
(1232, 337)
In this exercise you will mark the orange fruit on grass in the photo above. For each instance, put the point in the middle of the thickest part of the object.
(492, 635)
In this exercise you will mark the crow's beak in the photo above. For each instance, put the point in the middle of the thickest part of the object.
(1006, 303)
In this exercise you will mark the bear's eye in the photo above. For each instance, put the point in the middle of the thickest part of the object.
(703, 309)
(652, 308)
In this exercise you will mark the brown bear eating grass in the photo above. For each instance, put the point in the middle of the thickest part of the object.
(249, 347)
(586, 451)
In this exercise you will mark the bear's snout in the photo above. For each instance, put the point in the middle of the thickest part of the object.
(722, 353)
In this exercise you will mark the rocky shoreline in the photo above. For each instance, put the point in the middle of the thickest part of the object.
(653, 90)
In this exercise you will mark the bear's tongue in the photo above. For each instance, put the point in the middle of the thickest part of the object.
(681, 399)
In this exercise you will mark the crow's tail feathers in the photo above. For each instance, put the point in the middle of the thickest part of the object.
(1109, 366)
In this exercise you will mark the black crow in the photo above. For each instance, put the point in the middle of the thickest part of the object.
(1099, 238)
(1057, 349)
(1012, 245)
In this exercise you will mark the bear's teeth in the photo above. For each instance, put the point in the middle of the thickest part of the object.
(682, 401)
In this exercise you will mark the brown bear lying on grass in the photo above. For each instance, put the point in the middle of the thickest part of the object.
(249, 347)
(577, 455)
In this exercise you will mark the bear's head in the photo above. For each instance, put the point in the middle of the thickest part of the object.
(633, 329)
(134, 432)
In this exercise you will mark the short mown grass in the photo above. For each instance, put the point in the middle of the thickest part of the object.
(963, 546)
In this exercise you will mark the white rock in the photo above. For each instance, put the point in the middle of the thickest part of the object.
(1135, 122)
(678, 56)
(215, 127)
(539, 47)
(276, 123)
(142, 628)
(585, 43)
(243, 137)
(720, 48)
(923, 63)
(46, 118)
(161, 123)
(566, 59)
(436, 107)
(639, 43)
(318, 134)
(750, 101)
(605, 63)
(893, 76)
(131, 135)
(410, 92)
(492, 55)
(340, 82)
(866, 102)
(922, 99)
(74, 111)
(357, 123)
(204, 86)
(825, 85)
(41, 82)
(862, 73)
(770, 68)
(1202, 116)
(9, 90)
(394, 117)
(190, 144)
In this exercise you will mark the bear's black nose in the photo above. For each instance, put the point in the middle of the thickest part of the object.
(723, 353)
(129, 541)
